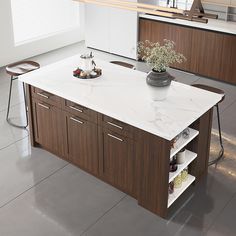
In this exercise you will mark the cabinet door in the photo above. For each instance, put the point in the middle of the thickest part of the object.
(82, 143)
(206, 53)
(156, 32)
(97, 27)
(49, 127)
(123, 36)
(117, 160)
(228, 68)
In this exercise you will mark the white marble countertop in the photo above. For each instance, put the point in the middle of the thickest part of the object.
(213, 24)
(122, 93)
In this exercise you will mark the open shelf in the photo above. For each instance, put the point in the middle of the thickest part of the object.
(178, 191)
(182, 142)
(189, 157)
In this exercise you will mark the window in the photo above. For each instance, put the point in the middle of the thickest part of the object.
(34, 19)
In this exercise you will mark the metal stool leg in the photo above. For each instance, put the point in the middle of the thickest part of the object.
(9, 104)
(9, 99)
(26, 112)
(221, 152)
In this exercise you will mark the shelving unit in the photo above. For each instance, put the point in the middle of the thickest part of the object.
(178, 191)
(182, 142)
(189, 156)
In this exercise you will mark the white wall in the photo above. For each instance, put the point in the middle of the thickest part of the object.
(10, 53)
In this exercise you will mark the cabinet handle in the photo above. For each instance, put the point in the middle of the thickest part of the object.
(43, 95)
(115, 125)
(76, 109)
(76, 120)
(44, 106)
(112, 136)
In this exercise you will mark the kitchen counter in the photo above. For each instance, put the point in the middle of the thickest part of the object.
(122, 93)
(213, 24)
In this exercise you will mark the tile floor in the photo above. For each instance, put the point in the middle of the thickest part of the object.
(41, 194)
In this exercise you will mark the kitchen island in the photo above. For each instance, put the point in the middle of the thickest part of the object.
(111, 128)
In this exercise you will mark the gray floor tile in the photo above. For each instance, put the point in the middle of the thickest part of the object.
(22, 167)
(67, 203)
(127, 218)
(225, 223)
(10, 134)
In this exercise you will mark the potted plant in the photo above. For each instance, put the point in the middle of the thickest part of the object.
(159, 58)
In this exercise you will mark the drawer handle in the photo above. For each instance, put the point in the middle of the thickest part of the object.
(76, 109)
(44, 106)
(43, 95)
(115, 125)
(112, 136)
(76, 120)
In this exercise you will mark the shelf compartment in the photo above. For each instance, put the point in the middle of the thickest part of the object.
(178, 191)
(182, 142)
(189, 157)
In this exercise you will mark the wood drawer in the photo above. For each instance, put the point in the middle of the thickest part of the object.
(79, 111)
(116, 126)
(46, 97)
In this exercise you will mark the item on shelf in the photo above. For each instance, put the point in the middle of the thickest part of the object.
(186, 133)
(178, 181)
(171, 187)
(184, 174)
(181, 156)
(173, 141)
(173, 164)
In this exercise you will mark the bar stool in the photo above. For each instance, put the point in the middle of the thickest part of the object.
(221, 92)
(15, 70)
(124, 64)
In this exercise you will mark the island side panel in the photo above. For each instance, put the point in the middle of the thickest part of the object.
(30, 115)
(153, 158)
(201, 145)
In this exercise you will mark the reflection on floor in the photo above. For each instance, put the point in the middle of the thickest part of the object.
(43, 195)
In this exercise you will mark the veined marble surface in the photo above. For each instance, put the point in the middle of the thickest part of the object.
(123, 94)
(228, 27)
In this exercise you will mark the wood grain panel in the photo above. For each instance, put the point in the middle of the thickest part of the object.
(117, 160)
(82, 139)
(153, 157)
(228, 62)
(201, 145)
(206, 53)
(49, 127)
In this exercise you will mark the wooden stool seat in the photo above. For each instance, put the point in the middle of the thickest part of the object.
(20, 68)
(15, 70)
(124, 64)
(211, 89)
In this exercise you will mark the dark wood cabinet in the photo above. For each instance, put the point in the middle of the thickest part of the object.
(49, 127)
(209, 53)
(117, 160)
(82, 142)
(157, 32)
(228, 60)
(206, 53)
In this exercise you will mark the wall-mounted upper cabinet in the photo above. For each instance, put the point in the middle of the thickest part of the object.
(112, 30)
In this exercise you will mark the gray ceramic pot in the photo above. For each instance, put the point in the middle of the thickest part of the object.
(159, 84)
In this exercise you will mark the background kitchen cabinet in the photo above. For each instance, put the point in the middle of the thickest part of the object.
(49, 127)
(228, 63)
(157, 32)
(82, 141)
(117, 160)
(206, 53)
(111, 30)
